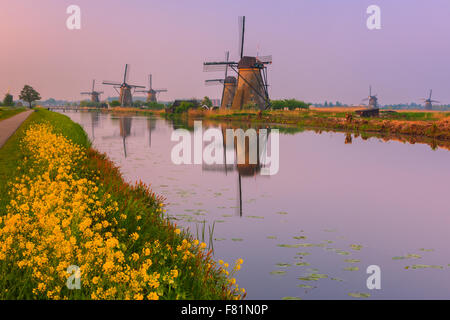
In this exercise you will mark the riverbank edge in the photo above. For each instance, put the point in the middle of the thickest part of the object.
(211, 280)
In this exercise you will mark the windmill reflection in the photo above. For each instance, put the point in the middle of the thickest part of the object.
(241, 148)
(151, 125)
(125, 131)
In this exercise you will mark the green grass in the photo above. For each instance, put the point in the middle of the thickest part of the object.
(8, 112)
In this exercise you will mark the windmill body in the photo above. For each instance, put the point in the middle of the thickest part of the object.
(373, 99)
(151, 93)
(429, 102)
(95, 95)
(125, 94)
(251, 85)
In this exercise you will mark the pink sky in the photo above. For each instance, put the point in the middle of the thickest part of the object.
(322, 50)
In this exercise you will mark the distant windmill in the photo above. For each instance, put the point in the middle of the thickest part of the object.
(125, 97)
(151, 93)
(252, 75)
(95, 95)
(429, 102)
(229, 86)
(373, 99)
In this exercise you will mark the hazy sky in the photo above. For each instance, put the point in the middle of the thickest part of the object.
(322, 49)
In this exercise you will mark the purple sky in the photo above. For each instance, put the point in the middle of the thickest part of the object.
(322, 49)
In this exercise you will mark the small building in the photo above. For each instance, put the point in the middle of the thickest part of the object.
(367, 113)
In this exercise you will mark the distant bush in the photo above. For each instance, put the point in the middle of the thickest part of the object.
(291, 104)
(154, 105)
(8, 101)
(184, 107)
(91, 104)
(115, 103)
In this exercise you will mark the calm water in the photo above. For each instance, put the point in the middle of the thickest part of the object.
(333, 209)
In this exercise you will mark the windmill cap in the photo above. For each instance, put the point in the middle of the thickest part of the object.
(248, 62)
(230, 79)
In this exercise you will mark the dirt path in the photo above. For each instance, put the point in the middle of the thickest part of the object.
(10, 125)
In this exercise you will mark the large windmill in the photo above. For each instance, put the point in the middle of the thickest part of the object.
(151, 93)
(373, 99)
(125, 96)
(251, 75)
(95, 95)
(429, 102)
(229, 86)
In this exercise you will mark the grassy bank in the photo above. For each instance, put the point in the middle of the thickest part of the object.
(433, 125)
(8, 112)
(67, 205)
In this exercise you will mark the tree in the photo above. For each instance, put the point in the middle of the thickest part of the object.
(8, 100)
(207, 102)
(115, 103)
(29, 95)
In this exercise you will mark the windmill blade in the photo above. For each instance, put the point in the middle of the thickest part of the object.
(431, 91)
(93, 85)
(160, 90)
(435, 101)
(150, 82)
(265, 59)
(100, 92)
(135, 86)
(125, 75)
(111, 83)
(214, 67)
(144, 91)
(366, 99)
(241, 24)
(227, 58)
(214, 82)
(85, 92)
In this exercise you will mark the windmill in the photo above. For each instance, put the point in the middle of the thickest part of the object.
(251, 73)
(125, 96)
(229, 86)
(151, 93)
(95, 95)
(429, 102)
(373, 99)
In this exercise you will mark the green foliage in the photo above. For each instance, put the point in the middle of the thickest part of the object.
(115, 103)
(155, 105)
(184, 107)
(291, 104)
(206, 102)
(91, 104)
(29, 95)
(8, 101)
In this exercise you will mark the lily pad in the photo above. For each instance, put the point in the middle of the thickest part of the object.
(359, 295)
(313, 277)
(237, 239)
(306, 286)
(352, 260)
(278, 272)
(284, 265)
(351, 268)
(281, 212)
(302, 264)
(291, 298)
(271, 237)
(255, 217)
(425, 266)
(356, 246)
(299, 238)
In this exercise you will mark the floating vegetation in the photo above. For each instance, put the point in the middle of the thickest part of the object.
(313, 277)
(278, 272)
(227, 215)
(219, 239)
(281, 212)
(237, 239)
(336, 279)
(339, 251)
(424, 266)
(299, 237)
(408, 256)
(330, 230)
(303, 253)
(356, 246)
(302, 264)
(288, 245)
(305, 286)
(359, 295)
(163, 185)
(217, 194)
(352, 260)
(255, 217)
(291, 298)
(351, 268)
(426, 250)
(284, 265)
(271, 237)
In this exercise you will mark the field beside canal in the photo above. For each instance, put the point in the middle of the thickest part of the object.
(71, 228)
(8, 112)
